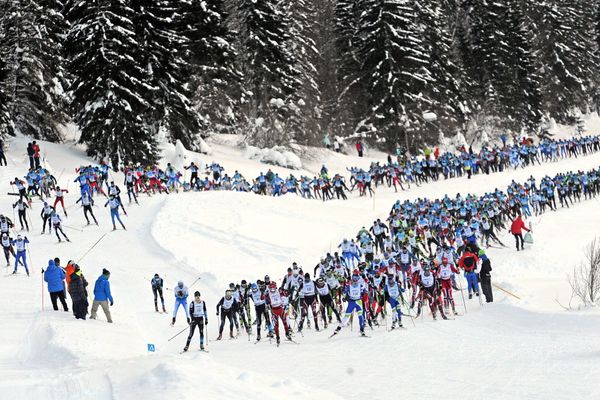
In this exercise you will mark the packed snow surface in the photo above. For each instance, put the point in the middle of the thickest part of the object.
(510, 349)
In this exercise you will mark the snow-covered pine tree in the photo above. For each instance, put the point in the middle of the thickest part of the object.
(160, 52)
(352, 100)
(31, 44)
(499, 59)
(567, 57)
(437, 22)
(302, 20)
(269, 71)
(523, 101)
(393, 71)
(5, 123)
(326, 66)
(215, 81)
(110, 88)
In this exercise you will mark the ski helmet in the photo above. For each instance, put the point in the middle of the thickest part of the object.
(253, 286)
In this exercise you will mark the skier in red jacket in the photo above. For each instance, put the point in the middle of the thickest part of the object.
(516, 228)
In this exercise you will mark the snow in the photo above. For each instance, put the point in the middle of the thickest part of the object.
(527, 349)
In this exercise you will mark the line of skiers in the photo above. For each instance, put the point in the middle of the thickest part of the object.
(393, 264)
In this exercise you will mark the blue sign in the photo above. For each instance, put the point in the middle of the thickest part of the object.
(151, 348)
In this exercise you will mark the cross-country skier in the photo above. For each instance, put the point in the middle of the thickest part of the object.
(429, 292)
(275, 298)
(310, 300)
(199, 319)
(87, 202)
(60, 198)
(22, 207)
(393, 291)
(354, 294)
(21, 244)
(5, 224)
(8, 248)
(327, 305)
(445, 274)
(46, 215)
(226, 307)
(181, 295)
(114, 213)
(258, 298)
(56, 223)
(157, 289)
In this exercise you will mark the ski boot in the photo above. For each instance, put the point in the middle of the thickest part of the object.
(173, 322)
(444, 316)
(220, 336)
(337, 330)
(362, 333)
(201, 347)
(470, 296)
(231, 335)
(278, 340)
(185, 348)
(164, 309)
(393, 326)
(288, 335)
(454, 310)
(156, 308)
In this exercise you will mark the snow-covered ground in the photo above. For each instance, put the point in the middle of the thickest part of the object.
(527, 349)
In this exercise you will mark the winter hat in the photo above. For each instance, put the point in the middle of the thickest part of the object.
(481, 252)
(105, 271)
(196, 293)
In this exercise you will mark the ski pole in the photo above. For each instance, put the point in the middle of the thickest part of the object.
(461, 293)
(42, 289)
(90, 249)
(177, 334)
(71, 227)
(194, 282)
(506, 291)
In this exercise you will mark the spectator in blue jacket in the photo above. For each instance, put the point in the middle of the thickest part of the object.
(55, 277)
(102, 295)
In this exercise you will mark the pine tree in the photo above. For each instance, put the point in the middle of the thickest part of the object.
(501, 64)
(110, 88)
(31, 45)
(160, 51)
(301, 16)
(269, 69)
(5, 123)
(447, 86)
(210, 53)
(393, 70)
(348, 108)
(567, 57)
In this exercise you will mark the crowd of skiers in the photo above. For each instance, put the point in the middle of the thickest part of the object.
(410, 259)
(414, 258)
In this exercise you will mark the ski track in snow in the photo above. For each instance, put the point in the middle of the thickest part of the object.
(528, 349)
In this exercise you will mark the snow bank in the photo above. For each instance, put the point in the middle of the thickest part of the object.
(275, 156)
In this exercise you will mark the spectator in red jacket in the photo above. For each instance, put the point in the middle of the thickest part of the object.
(36, 154)
(516, 228)
(359, 148)
(468, 262)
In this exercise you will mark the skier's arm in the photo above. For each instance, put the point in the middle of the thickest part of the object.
(219, 304)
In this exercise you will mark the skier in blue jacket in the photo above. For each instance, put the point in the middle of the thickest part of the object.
(55, 277)
(21, 245)
(181, 295)
(102, 295)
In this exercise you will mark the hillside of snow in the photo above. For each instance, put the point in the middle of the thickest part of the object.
(527, 349)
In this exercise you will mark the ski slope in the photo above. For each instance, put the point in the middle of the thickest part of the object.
(526, 349)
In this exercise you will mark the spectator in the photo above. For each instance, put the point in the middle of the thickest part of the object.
(102, 295)
(55, 277)
(78, 292)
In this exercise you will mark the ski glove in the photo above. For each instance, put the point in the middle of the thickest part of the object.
(111, 303)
